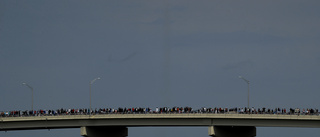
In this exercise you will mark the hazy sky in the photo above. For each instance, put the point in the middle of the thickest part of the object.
(160, 53)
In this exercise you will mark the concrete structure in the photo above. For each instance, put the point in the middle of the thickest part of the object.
(232, 131)
(115, 125)
(104, 131)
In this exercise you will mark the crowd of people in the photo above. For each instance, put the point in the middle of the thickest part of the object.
(159, 110)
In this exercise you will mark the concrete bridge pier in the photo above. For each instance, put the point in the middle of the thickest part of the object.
(104, 131)
(232, 131)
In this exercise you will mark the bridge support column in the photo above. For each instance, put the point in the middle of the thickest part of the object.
(232, 131)
(104, 131)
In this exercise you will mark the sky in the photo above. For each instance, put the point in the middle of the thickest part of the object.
(160, 53)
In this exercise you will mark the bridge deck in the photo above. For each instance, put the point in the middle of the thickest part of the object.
(136, 120)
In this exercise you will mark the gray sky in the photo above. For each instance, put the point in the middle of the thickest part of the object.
(160, 53)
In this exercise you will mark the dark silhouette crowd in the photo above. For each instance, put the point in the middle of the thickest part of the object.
(159, 110)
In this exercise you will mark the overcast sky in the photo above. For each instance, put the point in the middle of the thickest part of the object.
(160, 53)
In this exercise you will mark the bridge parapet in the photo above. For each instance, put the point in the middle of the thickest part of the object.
(136, 120)
(163, 116)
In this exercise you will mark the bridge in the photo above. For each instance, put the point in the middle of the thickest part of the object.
(115, 125)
